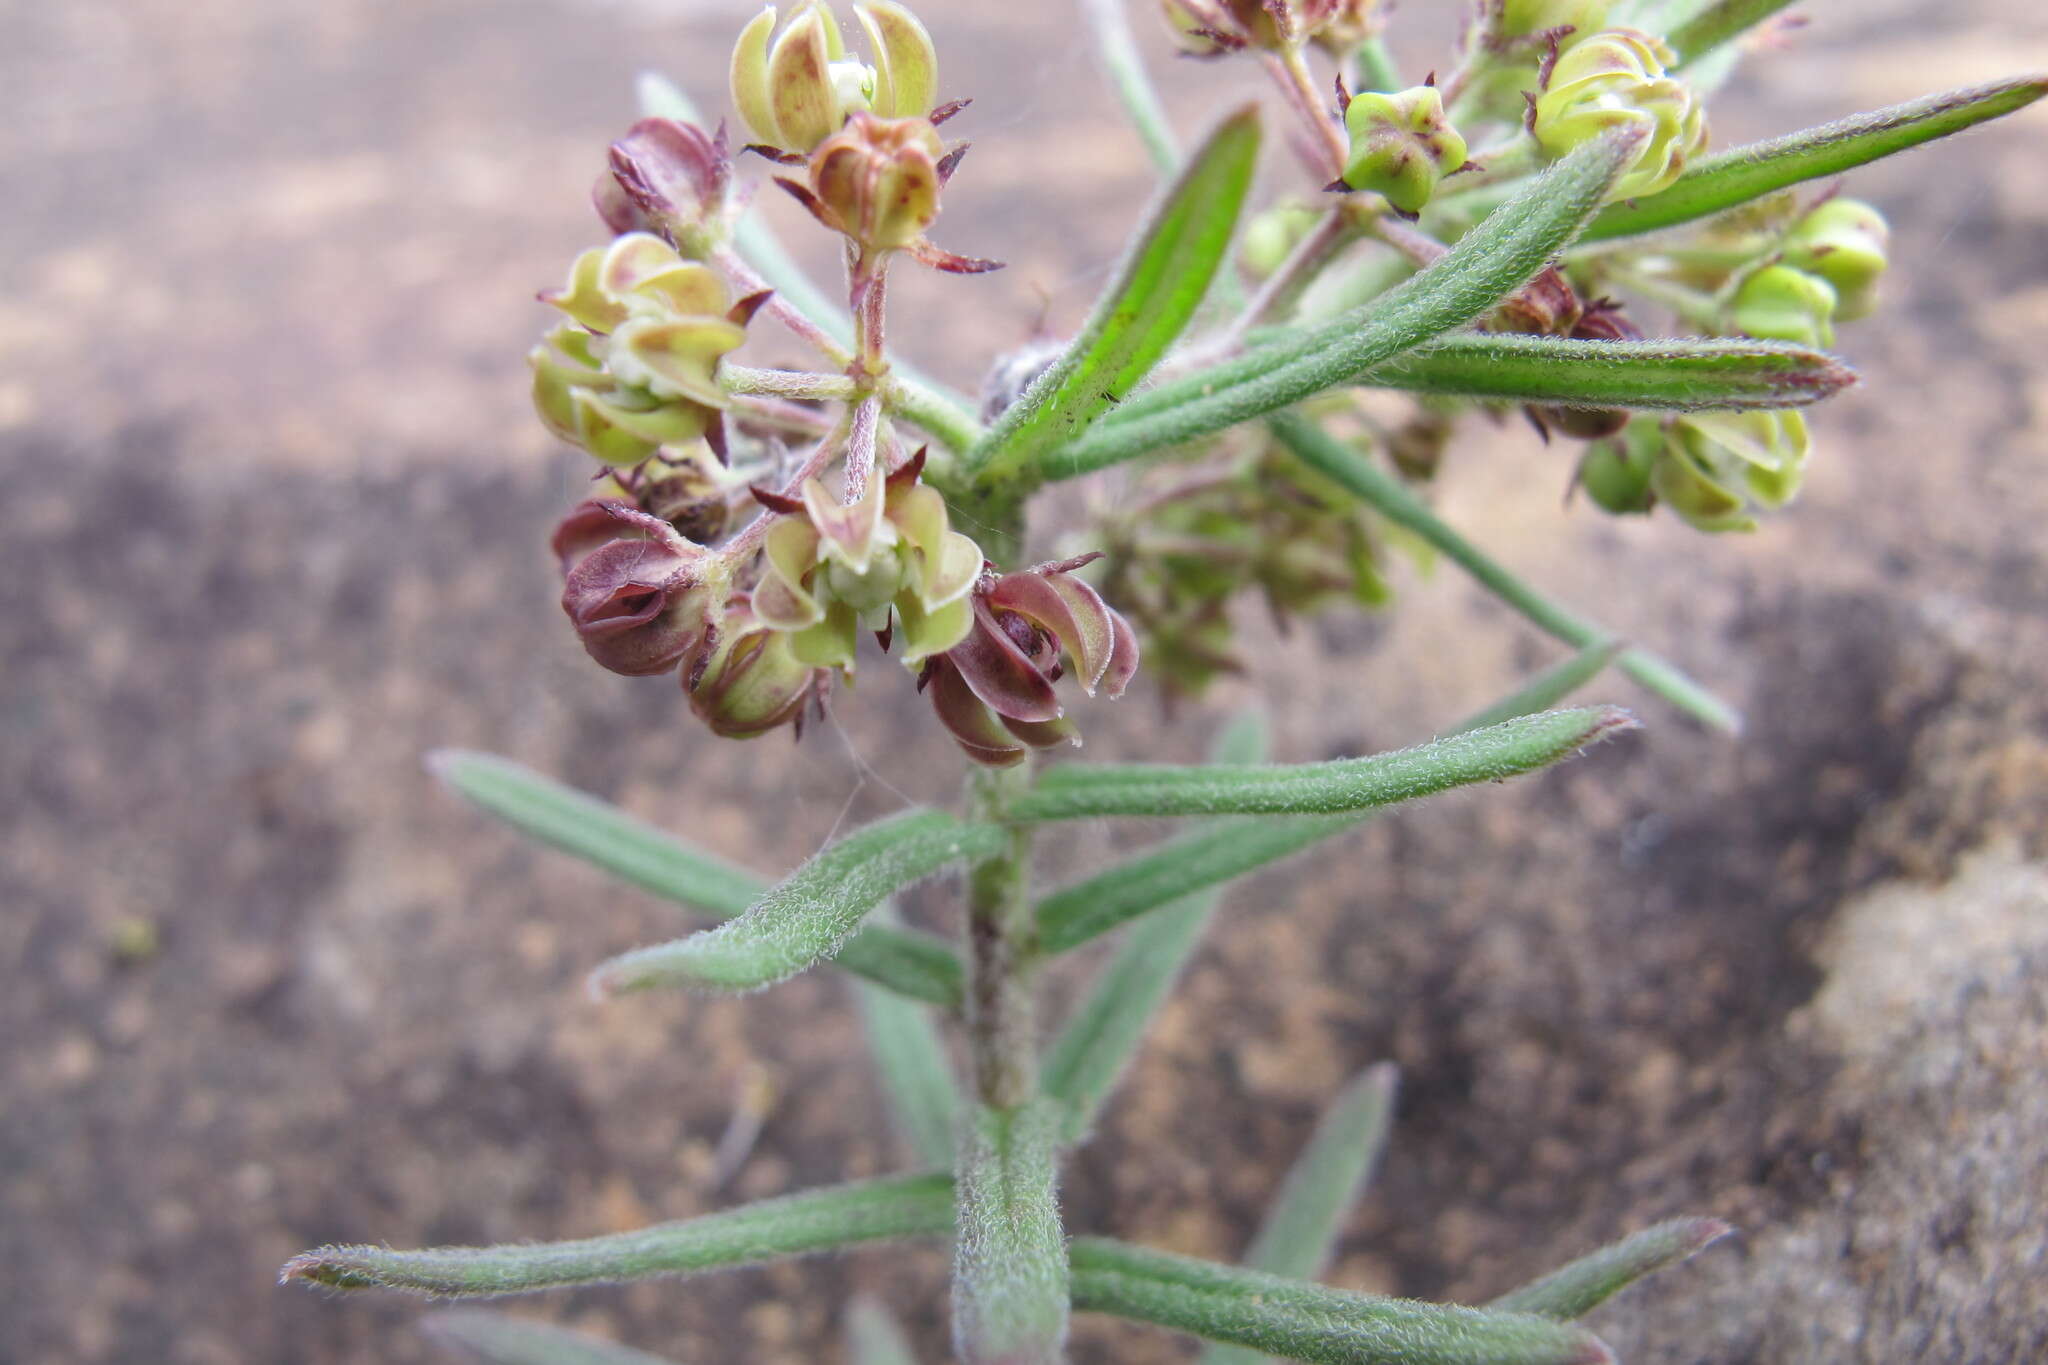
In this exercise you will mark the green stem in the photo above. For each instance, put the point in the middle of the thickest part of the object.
(1323, 452)
(785, 383)
(1010, 1272)
(1375, 67)
(1001, 1028)
(1118, 49)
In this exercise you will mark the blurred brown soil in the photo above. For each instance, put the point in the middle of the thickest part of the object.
(271, 509)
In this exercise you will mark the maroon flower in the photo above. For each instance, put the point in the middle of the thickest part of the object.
(638, 599)
(665, 177)
(994, 690)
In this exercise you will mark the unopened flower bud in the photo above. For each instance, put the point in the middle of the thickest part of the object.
(1270, 237)
(1211, 28)
(641, 601)
(1617, 78)
(1520, 18)
(1844, 242)
(667, 178)
(877, 181)
(1781, 303)
(744, 679)
(1401, 145)
(1616, 472)
(799, 90)
(1350, 25)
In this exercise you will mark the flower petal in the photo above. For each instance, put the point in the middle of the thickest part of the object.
(1074, 612)
(1000, 673)
(973, 726)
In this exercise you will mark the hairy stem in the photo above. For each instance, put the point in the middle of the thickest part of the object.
(1001, 1028)
(748, 281)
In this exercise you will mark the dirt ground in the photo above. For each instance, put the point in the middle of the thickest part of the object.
(272, 510)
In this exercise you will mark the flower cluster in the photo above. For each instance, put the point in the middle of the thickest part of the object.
(1265, 523)
(1713, 469)
(635, 367)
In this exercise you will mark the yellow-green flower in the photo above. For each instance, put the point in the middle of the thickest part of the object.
(636, 366)
(1844, 242)
(1617, 78)
(795, 92)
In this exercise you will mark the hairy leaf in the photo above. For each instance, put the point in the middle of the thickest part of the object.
(1284, 1317)
(910, 963)
(1218, 853)
(1165, 274)
(1731, 178)
(501, 1339)
(810, 915)
(1677, 375)
(1346, 784)
(1009, 1254)
(1576, 1289)
(1361, 477)
(1301, 1228)
(1493, 260)
(794, 1225)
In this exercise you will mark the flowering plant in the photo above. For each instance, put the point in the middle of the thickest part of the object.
(1547, 229)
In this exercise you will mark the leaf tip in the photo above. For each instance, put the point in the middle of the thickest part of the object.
(325, 1267)
(1591, 1351)
(1697, 1234)
(1605, 722)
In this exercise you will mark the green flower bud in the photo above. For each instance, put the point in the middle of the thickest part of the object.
(1401, 145)
(1616, 472)
(1844, 242)
(798, 90)
(1271, 236)
(1780, 303)
(1616, 78)
(1520, 18)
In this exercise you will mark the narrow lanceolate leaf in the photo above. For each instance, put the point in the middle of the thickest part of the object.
(1009, 1254)
(1345, 784)
(912, 964)
(1218, 853)
(810, 915)
(797, 1224)
(1283, 1317)
(1675, 375)
(1095, 1047)
(1741, 174)
(873, 1336)
(1576, 1289)
(1164, 276)
(914, 1069)
(501, 1339)
(1301, 1228)
(1717, 23)
(1493, 260)
(1359, 475)
(597, 832)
